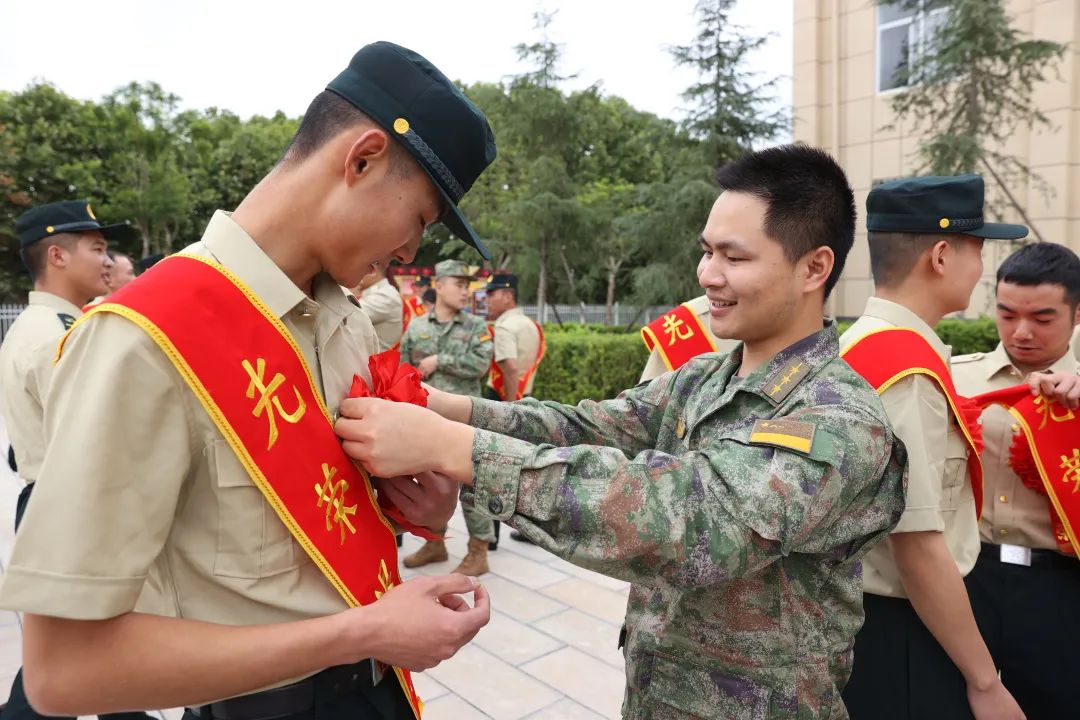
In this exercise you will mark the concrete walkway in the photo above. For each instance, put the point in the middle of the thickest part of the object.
(548, 654)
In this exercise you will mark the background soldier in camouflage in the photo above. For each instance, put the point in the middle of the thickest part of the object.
(736, 493)
(453, 351)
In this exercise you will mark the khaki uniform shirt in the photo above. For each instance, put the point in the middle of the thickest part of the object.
(26, 363)
(382, 304)
(699, 305)
(939, 493)
(138, 482)
(517, 338)
(1012, 513)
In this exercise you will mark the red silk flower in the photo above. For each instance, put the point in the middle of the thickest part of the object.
(400, 382)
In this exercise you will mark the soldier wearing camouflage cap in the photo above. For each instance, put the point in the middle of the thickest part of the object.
(453, 350)
(737, 493)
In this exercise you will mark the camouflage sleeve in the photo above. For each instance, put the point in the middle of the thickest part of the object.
(471, 359)
(630, 422)
(724, 510)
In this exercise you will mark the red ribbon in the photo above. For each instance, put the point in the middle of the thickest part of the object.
(400, 382)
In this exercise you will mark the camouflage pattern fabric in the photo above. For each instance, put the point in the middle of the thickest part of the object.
(463, 345)
(738, 509)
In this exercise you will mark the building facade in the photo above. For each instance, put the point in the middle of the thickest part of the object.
(846, 53)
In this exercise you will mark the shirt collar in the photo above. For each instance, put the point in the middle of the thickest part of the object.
(900, 316)
(231, 246)
(55, 302)
(998, 360)
(795, 362)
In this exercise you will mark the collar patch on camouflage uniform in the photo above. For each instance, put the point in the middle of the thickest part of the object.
(66, 320)
(680, 429)
(780, 384)
(789, 434)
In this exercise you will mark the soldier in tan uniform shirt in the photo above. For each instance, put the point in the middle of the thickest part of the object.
(919, 653)
(655, 366)
(1024, 591)
(381, 302)
(140, 486)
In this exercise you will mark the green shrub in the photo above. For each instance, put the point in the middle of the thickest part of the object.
(581, 365)
(599, 361)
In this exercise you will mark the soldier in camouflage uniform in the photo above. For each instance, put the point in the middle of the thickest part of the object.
(453, 351)
(736, 494)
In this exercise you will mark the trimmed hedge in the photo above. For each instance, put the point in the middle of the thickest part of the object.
(599, 362)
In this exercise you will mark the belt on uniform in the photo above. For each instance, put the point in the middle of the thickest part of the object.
(290, 699)
(1032, 557)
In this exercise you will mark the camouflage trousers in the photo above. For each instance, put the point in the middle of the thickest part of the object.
(480, 526)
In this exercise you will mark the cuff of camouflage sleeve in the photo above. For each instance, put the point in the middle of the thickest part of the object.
(482, 412)
(497, 461)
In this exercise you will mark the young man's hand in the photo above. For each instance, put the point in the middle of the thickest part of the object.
(419, 623)
(428, 500)
(993, 703)
(1061, 387)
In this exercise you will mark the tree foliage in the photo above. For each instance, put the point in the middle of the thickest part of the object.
(970, 86)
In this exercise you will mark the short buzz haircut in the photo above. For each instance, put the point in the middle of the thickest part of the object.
(893, 255)
(328, 116)
(1044, 263)
(810, 202)
(35, 256)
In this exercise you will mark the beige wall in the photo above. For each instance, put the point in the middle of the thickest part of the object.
(836, 106)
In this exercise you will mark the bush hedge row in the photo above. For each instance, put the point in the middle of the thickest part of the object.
(599, 361)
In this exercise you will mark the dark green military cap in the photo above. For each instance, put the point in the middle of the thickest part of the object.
(446, 133)
(70, 216)
(499, 281)
(934, 204)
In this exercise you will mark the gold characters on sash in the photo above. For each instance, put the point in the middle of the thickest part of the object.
(268, 400)
(1071, 466)
(676, 328)
(384, 580)
(333, 494)
(1047, 408)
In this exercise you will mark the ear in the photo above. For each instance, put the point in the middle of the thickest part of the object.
(56, 256)
(1076, 316)
(818, 265)
(365, 153)
(938, 257)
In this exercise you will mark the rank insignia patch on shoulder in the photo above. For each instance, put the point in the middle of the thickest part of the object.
(780, 384)
(66, 320)
(789, 434)
(485, 337)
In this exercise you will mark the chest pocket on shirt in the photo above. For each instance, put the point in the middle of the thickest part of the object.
(956, 455)
(252, 542)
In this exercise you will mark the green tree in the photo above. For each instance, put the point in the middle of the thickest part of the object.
(969, 88)
(729, 109)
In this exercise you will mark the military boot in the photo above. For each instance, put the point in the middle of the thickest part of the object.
(475, 562)
(433, 551)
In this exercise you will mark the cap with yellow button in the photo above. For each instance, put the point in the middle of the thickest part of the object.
(449, 136)
(69, 216)
(935, 205)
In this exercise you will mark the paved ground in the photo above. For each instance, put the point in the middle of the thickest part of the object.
(548, 654)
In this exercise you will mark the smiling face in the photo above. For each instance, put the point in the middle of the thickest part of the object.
(753, 289)
(1035, 323)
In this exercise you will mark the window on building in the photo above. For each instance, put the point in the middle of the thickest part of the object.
(903, 31)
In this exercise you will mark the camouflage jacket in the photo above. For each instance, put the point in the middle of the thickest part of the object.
(463, 346)
(737, 508)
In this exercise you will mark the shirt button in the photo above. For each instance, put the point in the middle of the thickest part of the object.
(495, 505)
(1003, 498)
(1003, 531)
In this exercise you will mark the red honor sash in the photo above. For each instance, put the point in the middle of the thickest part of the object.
(678, 335)
(252, 380)
(886, 356)
(498, 382)
(1046, 455)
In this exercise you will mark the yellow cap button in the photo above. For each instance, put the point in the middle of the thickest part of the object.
(944, 223)
(401, 126)
(49, 229)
